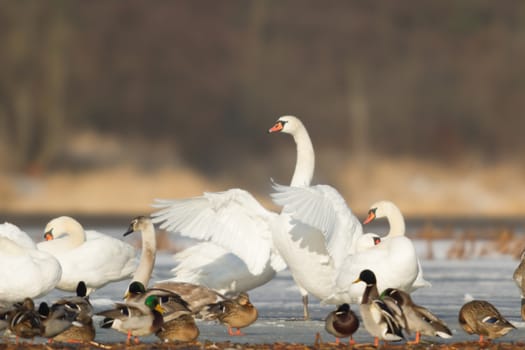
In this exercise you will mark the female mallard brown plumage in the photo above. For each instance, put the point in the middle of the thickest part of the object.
(25, 321)
(237, 312)
(418, 318)
(342, 323)
(518, 275)
(481, 317)
(181, 329)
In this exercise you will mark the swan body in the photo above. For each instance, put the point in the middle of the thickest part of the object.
(24, 270)
(88, 256)
(394, 261)
(229, 218)
(235, 222)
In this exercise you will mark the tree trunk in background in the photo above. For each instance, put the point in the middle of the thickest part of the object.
(33, 113)
(54, 99)
(359, 116)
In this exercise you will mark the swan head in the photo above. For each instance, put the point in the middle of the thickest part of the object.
(140, 223)
(63, 225)
(287, 124)
(380, 209)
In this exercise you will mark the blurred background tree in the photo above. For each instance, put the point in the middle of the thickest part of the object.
(197, 83)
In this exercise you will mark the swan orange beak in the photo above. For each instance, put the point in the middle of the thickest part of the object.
(276, 128)
(48, 236)
(371, 216)
(377, 240)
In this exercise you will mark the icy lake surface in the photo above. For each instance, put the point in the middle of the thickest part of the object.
(280, 307)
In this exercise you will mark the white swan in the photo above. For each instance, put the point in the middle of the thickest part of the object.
(88, 256)
(394, 261)
(236, 221)
(24, 270)
(210, 265)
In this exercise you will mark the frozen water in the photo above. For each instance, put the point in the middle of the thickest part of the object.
(280, 307)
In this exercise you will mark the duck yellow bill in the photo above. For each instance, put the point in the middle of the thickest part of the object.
(357, 280)
(160, 309)
(371, 216)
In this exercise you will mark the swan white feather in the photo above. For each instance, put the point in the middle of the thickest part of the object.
(210, 265)
(89, 256)
(232, 219)
(24, 270)
(322, 207)
(394, 261)
(256, 227)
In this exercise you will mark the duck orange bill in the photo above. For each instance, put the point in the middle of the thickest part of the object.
(371, 216)
(276, 128)
(48, 236)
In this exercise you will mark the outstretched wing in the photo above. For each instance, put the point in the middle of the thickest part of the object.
(233, 219)
(322, 207)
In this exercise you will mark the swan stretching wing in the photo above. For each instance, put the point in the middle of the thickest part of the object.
(210, 265)
(232, 219)
(322, 207)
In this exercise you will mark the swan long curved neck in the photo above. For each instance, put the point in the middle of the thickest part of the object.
(147, 256)
(74, 231)
(305, 163)
(396, 222)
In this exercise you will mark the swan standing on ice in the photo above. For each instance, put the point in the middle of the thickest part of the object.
(88, 256)
(24, 270)
(247, 232)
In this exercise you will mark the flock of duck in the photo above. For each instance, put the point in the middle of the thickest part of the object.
(243, 245)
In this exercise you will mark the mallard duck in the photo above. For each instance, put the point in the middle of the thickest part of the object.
(134, 319)
(380, 320)
(54, 321)
(82, 329)
(394, 261)
(193, 296)
(182, 329)
(237, 312)
(518, 278)
(260, 240)
(481, 317)
(418, 318)
(342, 323)
(25, 321)
(172, 303)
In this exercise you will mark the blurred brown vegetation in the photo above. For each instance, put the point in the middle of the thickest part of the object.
(87, 84)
